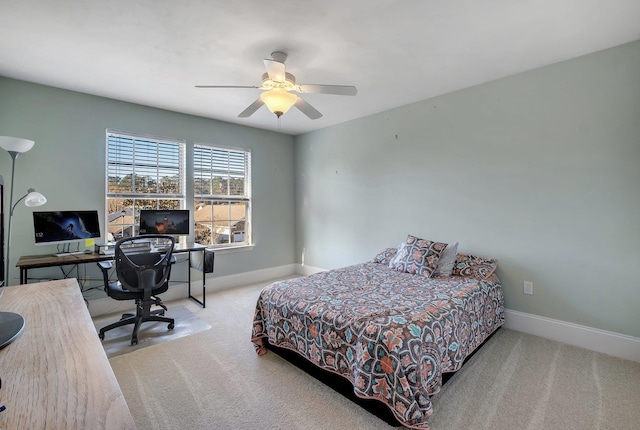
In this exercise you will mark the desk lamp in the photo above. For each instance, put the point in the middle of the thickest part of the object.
(12, 324)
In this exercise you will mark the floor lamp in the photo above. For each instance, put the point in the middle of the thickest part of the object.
(12, 324)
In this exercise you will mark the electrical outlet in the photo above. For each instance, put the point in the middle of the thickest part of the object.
(528, 287)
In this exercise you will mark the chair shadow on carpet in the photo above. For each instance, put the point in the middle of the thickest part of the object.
(118, 340)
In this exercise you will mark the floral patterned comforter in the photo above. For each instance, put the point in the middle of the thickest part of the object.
(391, 334)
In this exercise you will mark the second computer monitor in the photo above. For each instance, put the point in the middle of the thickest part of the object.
(168, 221)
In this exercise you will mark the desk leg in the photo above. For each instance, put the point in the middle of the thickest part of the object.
(204, 275)
(23, 275)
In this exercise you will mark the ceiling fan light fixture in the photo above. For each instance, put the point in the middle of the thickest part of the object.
(278, 100)
(277, 88)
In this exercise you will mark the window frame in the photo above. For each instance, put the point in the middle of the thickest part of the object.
(125, 163)
(227, 198)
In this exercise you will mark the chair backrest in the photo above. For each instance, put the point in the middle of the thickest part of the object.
(140, 268)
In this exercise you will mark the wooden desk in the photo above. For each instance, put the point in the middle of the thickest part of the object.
(27, 262)
(56, 375)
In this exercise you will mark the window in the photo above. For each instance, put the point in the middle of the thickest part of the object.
(222, 195)
(142, 173)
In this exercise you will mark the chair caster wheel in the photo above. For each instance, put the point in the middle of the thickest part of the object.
(101, 336)
(170, 326)
(134, 341)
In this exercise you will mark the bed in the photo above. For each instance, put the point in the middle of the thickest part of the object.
(387, 327)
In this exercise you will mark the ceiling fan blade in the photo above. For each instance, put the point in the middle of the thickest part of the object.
(307, 109)
(275, 70)
(251, 109)
(225, 86)
(341, 90)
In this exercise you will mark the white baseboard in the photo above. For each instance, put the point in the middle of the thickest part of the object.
(615, 344)
(607, 342)
(307, 270)
(107, 305)
(618, 345)
(219, 283)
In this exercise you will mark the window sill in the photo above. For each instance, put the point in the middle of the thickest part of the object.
(231, 249)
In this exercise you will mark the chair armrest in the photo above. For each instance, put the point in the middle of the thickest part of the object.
(105, 265)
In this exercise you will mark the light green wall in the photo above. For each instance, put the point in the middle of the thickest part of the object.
(540, 170)
(67, 165)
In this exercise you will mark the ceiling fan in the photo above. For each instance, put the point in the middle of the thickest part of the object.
(280, 86)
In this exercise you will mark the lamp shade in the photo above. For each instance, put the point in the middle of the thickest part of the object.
(278, 100)
(15, 144)
(34, 199)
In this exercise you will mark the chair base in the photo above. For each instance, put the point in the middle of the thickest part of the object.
(137, 320)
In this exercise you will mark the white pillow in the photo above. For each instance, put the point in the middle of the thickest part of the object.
(396, 258)
(447, 260)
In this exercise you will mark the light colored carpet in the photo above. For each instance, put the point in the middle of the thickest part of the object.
(519, 381)
(214, 380)
(117, 341)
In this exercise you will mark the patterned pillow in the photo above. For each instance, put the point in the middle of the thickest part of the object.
(419, 256)
(385, 256)
(447, 260)
(471, 266)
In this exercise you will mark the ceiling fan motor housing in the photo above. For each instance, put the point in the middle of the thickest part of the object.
(289, 83)
(279, 56)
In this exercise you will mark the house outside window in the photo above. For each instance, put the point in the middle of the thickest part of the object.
(143, 172)
(222, 196)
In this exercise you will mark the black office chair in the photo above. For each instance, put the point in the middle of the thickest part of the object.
(142, 275)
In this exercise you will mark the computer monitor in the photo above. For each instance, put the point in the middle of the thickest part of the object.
(65, 226)
(165, 221)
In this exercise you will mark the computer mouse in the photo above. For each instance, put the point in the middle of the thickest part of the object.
(88, 251)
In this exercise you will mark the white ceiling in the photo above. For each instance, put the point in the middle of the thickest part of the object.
(153, 52)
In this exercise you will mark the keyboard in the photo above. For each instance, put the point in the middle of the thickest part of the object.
(64, 254)
(163, 248)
